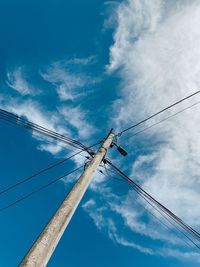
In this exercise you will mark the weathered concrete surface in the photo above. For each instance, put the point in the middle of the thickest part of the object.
(44, 247)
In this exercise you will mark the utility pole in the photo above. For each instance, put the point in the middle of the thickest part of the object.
(42, 250)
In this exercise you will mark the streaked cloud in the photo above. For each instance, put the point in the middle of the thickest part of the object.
(69, 77)
(77, 119)
(70, 121)
(18, 81)
(122, 220)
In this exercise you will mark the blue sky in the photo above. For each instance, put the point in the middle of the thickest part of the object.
(80, 68)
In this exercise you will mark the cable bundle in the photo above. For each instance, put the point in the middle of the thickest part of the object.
(165, 212)
(16, 120)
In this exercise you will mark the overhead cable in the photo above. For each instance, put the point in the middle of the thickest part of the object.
(165, 119)
(14, 119)
(161, 207)
(40, 189)
(44, 170)
(157, 113)
(180, 234)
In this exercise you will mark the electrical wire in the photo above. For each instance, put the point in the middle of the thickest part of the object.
(161, 207)
(168, 220)
(43, 170)
(50, 141)
(14, 119)
(165, 119)
(17, 121)
(157, 113)
(40, 189)
(177, 231)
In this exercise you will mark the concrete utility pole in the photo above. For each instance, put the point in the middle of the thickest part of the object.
(41, 251)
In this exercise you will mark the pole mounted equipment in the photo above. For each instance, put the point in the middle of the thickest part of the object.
(120, 150)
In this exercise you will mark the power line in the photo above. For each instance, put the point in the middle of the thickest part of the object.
(165, 216)
(14, 119)
(165, 119)
(176, 231)
(17, 120)
(40, 189)
(157, 113)
(161, 207)
(44, 170)
(167, 219)
(48, 141)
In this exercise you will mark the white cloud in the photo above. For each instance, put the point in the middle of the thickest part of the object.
(62, 121)
(132, 18)
(18, 81)
(68, 82)
(65, 81)
(160, 66)
(81, 61)
(52, 148)
(96, 216)
(71, 121)
(76, 117)
(174, 253)
(156, 52)
(133, 245)
(106, 209)
(111, 15)
(33, 112)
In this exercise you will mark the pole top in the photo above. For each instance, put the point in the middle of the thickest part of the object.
(111, 130)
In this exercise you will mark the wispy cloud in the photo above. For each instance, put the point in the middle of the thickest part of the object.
(107, 210)
(70, 121)
(64, 81)
(77, 119)
(69, 77)
(33, 111)
(17, 80)
(174, 253)
(110, 13)
(81, 61)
